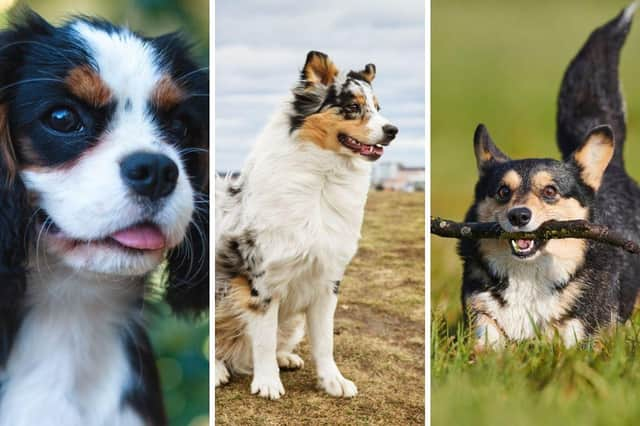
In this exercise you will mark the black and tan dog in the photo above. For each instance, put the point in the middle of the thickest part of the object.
(514, 290)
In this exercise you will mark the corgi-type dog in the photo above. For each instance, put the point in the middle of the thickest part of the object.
(287, 228)
(518, 289)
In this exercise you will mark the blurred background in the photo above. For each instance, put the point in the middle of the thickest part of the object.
(182, 347)
(257, 64)
(500, 63)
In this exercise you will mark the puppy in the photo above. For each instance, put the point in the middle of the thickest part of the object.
(103, 176)
(515, 290)
(288, 227)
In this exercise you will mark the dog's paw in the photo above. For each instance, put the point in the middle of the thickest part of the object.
(289, 360)
(338, 386)
(222, 373)
(270, 388)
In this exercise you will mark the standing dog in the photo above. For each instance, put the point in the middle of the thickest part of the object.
(514, 290)
(287, 229)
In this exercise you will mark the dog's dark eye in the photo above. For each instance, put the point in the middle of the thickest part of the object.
(378, 107)
(549, 191)
(504, 194)
(63, 120)
(179, 128)
(352, 109)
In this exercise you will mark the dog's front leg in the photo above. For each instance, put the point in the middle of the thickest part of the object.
(320, 325)
(262, 328)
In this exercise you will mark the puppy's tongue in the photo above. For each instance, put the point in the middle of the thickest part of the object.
(141, 237)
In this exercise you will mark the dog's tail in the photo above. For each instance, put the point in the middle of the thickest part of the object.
(590, 92)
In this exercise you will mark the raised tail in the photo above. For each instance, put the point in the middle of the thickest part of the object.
(590, 92)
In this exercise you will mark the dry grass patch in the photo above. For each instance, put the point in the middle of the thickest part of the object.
(379, 334)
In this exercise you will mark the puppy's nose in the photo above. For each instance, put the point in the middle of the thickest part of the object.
(150, 175)
(390, 131)
(519, 216)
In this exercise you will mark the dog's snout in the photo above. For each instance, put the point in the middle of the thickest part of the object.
(519, 216)
(150, 175)
(390, 131)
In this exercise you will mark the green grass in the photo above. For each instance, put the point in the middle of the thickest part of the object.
(379, 334)
(538, 382)
(501, 63)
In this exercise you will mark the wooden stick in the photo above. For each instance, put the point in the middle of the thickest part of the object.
(547, 231)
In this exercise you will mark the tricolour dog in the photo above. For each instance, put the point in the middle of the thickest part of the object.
(103, 177)
(515, 290)
(288, 227)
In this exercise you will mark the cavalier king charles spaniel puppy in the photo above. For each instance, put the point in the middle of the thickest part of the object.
(103, 178)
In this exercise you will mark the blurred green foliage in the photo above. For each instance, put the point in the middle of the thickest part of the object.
(181, 346)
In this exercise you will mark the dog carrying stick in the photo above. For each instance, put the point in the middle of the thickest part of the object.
(548, 230)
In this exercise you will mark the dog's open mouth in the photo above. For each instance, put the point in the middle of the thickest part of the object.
(140, 237)
(525, 248)
(371, 152)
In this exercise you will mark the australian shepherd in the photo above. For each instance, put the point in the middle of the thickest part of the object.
(288, 227)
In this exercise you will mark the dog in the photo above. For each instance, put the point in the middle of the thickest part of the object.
(570, 288)
(103, 176)
(288, 227)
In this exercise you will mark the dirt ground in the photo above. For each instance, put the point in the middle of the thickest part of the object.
(379, 334)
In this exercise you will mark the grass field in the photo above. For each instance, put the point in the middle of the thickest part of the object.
(379, 334)
(501, 63)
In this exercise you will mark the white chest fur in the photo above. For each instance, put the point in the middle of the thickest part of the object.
(68, 365)
(305, 206)
(532, 299)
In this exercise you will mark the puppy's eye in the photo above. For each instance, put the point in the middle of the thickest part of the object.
(503, 194)
(179, 128)
(63, 120)
(352, 109)
(549, 191)
(378, 107)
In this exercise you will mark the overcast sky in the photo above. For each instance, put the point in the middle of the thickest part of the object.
(261, 47)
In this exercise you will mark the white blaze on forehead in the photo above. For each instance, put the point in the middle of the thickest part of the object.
(376, 120)
(125, 62)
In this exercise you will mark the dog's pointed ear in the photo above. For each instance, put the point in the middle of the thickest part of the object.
(594, 155)
(318, 69)
(368, 73)
(487, 153)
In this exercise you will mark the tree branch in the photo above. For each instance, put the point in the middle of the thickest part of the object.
(547, 231)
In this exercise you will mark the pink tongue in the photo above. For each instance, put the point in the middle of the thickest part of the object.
(524, 244)
(141, 237)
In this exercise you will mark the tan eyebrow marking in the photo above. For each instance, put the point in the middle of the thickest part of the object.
(166, 94)
(512, 179)
(542, 179)
(85, 83)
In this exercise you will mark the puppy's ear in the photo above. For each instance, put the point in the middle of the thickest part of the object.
(487, 153)
(188, 264)
(318, 69)
(14, 209)
(594, 155)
